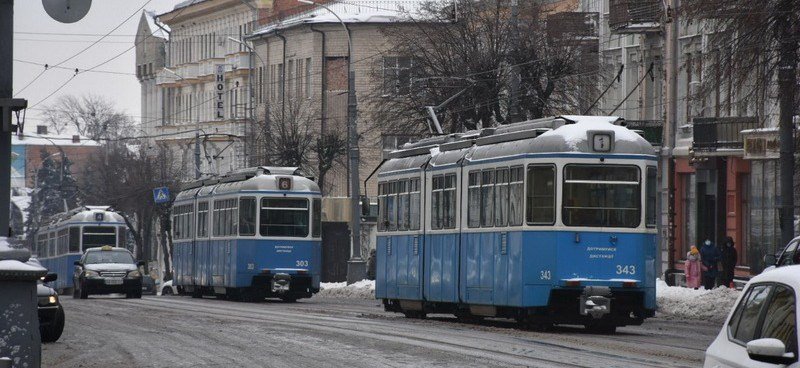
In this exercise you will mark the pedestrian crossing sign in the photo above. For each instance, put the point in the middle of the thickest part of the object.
(161, 195)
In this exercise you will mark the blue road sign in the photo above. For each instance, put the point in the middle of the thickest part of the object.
(161, 195)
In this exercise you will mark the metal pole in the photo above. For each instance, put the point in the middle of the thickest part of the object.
(787, 79)
(197, 153)
(6, 92)
(513, 109)
(671, 121)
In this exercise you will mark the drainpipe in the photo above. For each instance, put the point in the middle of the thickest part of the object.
(324, 76)
(283, 80)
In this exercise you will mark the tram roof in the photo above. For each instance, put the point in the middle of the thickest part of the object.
(261, 178)
(560, 134)
(86, 214)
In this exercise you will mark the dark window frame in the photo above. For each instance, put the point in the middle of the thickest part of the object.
(637, 196)
(528, 182)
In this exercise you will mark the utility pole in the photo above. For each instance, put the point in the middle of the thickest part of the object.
(787, 82)
(7, 106)
(667, 164)
(513, 108)
(356, 267)
(197, 153)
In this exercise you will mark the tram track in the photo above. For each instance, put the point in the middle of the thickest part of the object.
(514, 350)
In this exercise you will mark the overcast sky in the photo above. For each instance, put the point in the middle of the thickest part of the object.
(42, 40)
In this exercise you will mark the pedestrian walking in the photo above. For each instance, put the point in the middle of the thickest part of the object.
(692, 268)
(729, 257)
(709, 257)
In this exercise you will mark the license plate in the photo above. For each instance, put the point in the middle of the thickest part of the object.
(113, 281)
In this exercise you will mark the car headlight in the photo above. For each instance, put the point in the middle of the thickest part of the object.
(90, 273)
(134, 274)
(52, 299)
(48, 300)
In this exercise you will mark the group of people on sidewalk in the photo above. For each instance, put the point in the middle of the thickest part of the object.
(711, 266)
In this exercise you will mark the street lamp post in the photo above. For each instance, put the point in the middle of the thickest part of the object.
(356, 267)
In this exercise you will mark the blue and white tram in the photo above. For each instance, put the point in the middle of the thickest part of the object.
(550, 221)
(64, 237)
(251, 234)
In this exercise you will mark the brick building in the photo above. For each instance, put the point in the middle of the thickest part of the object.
(27, 154)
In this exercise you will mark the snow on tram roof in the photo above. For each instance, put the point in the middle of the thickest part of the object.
(575, 137)
(250, 179)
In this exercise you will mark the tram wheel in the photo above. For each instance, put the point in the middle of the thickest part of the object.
(601, 328)
(414, 314)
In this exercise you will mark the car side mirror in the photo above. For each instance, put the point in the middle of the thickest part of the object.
(770, 260)
(78, 263)
(140, 264)
(769, 350)
(50, 277)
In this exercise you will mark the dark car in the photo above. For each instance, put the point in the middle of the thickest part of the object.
(107, 270)
(51, 313)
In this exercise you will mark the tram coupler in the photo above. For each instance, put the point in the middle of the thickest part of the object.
(281, 283)
(596, 301)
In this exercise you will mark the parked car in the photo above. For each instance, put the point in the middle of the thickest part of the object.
(51, 313)
(167, 288)
(788, 256)
(761, 331)
(107, 270)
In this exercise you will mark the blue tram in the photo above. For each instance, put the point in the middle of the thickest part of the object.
(251, 234)
(64, 237)
(549, 221)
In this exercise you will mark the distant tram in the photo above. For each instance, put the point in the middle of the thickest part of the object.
(550, 221)
(251, 234)
(64, 237)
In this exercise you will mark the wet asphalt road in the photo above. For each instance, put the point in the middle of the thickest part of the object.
(178, 331)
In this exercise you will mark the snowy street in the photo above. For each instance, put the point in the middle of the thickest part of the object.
(178, 331)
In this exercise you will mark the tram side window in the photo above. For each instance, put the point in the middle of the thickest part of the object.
(601, 196)
(650, 209)
(402, 205)
(383, 217)
(122, 236)
(414, 198)
(63, 241)
(474, 199)
(284, 217)
(51, 244)
(316, 218)
(437, 185)
(225, 217)
(247, 216)
(501, 198)
(516, 196)
(391, 209)
(202, 219)
(487, 198)
(541, 196)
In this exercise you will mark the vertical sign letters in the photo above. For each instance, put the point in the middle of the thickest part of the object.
(219, 92)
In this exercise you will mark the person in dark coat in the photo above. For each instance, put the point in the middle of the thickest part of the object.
(709, 254)
(729, 257)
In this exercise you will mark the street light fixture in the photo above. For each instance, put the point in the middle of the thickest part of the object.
(356, 267)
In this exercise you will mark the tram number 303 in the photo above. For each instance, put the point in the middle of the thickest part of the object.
(301, 263)
(626, 270)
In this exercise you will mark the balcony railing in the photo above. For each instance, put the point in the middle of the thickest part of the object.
(721, 134)
(634, 16)
(652, 130)
(572, 25)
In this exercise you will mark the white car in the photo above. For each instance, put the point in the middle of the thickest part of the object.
(761, 331)
(166, 288)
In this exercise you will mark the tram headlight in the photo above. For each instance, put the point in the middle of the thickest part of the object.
(134, 274)
(90, 273)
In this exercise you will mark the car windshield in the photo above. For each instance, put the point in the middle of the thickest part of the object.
(109, 257)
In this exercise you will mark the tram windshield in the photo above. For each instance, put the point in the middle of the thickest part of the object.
(98, 236)
(601, 196)
(284, 217)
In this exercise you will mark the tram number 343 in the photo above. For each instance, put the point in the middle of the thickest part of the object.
(626, 270)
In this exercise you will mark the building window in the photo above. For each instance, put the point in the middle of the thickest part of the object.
(308, 77)
(397, 75)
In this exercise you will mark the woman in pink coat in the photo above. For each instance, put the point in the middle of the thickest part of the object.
(692, 268)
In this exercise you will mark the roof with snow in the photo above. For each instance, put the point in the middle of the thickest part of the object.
(575, 137)
(150, 17)
(364, 11)
(63, 140)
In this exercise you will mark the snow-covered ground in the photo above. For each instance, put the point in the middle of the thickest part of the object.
(674, 302)
(364, 289)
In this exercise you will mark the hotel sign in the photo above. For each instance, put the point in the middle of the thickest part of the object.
(219, 92)
(761, 144)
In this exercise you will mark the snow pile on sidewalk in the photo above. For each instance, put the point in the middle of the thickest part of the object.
(675, 302)
(364, 289)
